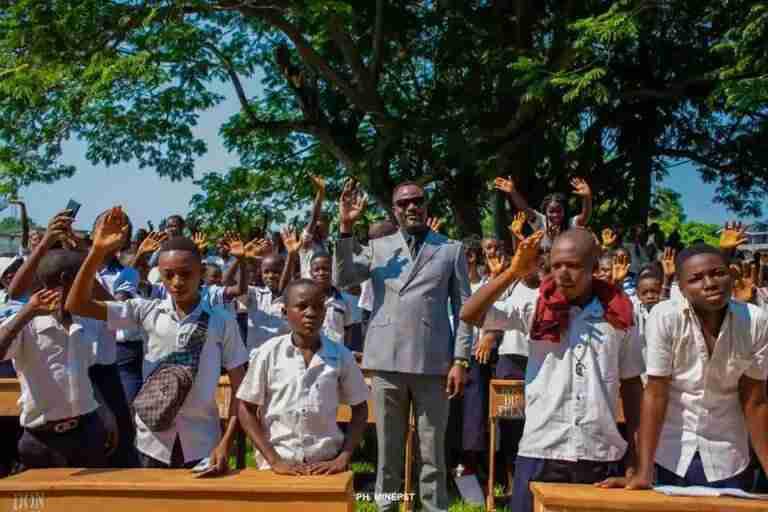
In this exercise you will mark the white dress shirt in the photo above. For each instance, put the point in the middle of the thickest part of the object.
(704, 412)
(197, 422)
(265, 316)
(516, 341)
(568, 416)
(117, 279)
(299, 402)
(338, 316)
(52, 364)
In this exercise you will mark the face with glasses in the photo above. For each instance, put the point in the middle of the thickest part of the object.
(410, 208)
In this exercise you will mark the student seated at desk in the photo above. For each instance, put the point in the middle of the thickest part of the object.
(52, 352)
(182, 330)
(584, 350)
(294, 385)
(706, 391)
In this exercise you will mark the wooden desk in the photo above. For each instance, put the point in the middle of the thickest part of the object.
(164, 490)
(10, 390)
(587, 498)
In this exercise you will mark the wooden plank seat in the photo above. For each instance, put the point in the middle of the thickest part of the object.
(163, 490)
(588, 498)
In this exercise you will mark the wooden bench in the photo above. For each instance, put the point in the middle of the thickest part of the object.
(587, 498)
(506, 400)
(167, 490)
(10, 390)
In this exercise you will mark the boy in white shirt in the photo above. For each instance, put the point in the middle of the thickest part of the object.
(294, 385)
(584, 351)
(52, 352)
(706, 391)
(167, 326)
(338, 314)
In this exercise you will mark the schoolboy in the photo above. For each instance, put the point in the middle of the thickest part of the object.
(294, 385)
(167, 326)
(705, 398)
(338, 316)
(584, 351)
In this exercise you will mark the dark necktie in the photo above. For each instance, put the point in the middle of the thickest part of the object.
(414, 244)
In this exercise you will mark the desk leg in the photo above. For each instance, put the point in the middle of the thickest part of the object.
(490, 501)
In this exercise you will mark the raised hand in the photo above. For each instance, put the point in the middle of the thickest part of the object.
(518, 223)
(609, 238)
(434, 224)
(258, 247)
(743, 283)
(45, 301)
(318, 183)
(733, 235)
(234, 245)
(581, 187)
(504, 184)
(152, 243)
(526, 258)
(620, 268)
(59, 229)
(290, 241)
(496, 264)
(668, 263)
(201, 241)
(351, 204)
(111, 231)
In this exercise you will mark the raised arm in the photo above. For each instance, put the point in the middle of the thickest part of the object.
(150, 245)
(734, 234)
(107, 237)
(292, 245)
(237, 250)
(668, 265)
(353, 261)
(44, 302)
(59, 228)
(581, 189)
(523, 263)
(317, 208)
(507, 185)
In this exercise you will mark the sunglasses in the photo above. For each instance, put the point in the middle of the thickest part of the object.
(405, 203)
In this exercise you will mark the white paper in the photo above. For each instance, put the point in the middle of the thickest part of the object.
(698, 490)
(470, 489)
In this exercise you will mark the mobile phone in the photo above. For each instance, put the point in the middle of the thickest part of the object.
(73, 207)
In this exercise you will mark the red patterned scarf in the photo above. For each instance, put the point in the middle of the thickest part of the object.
(552, 309)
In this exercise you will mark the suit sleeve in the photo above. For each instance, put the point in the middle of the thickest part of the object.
(352, 261)
(460, 292)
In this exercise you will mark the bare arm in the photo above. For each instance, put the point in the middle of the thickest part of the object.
(631, 397)
(523, 263)
(581, 189)
(317, 206)
(507, 185)
(755, 405)
(11, 330)
(24, 223)
(654, 409)
(241, 286)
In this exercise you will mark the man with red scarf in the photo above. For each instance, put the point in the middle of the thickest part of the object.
(584, 351)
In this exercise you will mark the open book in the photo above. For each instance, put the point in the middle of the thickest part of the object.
(697, 490)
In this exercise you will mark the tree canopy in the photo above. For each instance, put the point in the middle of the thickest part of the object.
(450, 93)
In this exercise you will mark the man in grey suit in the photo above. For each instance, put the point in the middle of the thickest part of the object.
(410, 345)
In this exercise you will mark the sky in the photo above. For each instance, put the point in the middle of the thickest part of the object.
(145, 196)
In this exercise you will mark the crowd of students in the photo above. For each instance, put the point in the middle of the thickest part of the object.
(119, 341)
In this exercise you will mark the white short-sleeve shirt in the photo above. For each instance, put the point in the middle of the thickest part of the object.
(299, 402)
(265, 316)
(116, 279)
(704, 412)
(569, 416)
(338, 316)
(197, 423)
(516, 341)
(52, 363)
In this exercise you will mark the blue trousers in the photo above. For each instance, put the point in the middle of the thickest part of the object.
(81, 447)
(130, 360)
(529, 470)
(475, 408)
(695, 476)
(106, 378)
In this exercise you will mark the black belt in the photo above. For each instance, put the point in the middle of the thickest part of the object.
(61, 426)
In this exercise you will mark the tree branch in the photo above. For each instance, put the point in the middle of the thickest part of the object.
(237, 84)
(348, 49)
(378, 45)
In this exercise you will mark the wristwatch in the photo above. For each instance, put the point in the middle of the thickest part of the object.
(461, 362)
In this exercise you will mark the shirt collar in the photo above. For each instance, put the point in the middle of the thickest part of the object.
(43, 323)
(169, 306)
(594, 309)
(329, 350)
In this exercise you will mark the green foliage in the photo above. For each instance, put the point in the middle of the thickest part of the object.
(669, 213)
(449, 93)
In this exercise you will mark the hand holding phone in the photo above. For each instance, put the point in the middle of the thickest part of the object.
(73, 207)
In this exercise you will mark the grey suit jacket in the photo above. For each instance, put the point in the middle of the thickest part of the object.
(410, 329)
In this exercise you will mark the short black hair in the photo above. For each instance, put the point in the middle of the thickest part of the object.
(318, 255)
(695, 250)
(58, 264)
(299, 283)
(176, 216)
(407, 184)
(652, 269)
(180, 243)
